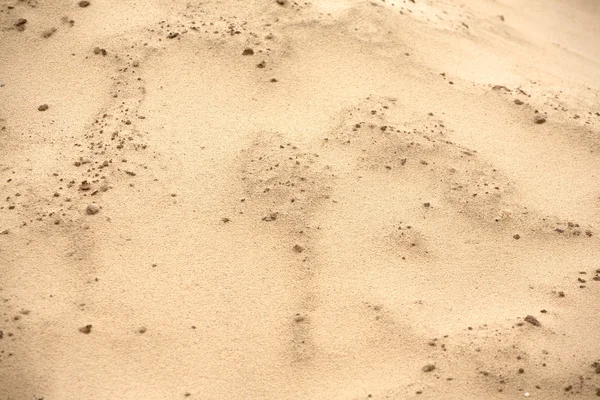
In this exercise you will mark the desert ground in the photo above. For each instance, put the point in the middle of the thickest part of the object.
(278, 199)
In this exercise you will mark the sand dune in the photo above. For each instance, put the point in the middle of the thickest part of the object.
(338, 199)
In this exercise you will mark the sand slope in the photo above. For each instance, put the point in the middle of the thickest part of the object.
(338, 199)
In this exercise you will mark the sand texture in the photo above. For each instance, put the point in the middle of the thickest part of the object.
(277, 199)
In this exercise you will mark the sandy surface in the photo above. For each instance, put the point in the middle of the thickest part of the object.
(339, 199)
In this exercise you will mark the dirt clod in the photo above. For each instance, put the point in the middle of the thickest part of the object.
(92, 209)
(428, 368)
(532, 320)
(20, 24)
(270, 217)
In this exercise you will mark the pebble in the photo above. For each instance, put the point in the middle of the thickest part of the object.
(84, 3)
(298, 249)
(92, 209)
(532, 320)
(43, 107)
(428, 368)
(539, 119)
(20, 24)
(270, 217)
(86, 329)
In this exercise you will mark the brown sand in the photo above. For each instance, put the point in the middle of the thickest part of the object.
(337, 199)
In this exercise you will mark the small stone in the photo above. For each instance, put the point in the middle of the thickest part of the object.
(92, 209)
(298, 249)
(142, 329)
(248, 52)
(225, 220)
(86, 329)
(43, 107)
(49, 32)
(270, 217)
(84, 3)
(281, 2)
(521, 371)
(85, 185)
(261, 64)
(518, 102)
(516, 236)
(172, 35)
(428, 368)
(532, 320)
(539, 119)
(20, 24)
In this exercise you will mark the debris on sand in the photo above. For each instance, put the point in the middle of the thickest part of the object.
(84, 186)
(225, 220)
(86, 329)
(532, 320)
(428, 368)
(518, 102)
(298, 249)
(67, 20)
(539, 119)
(49, 33)
(248, 52)
(20, 24)
(281, 2)
(84, 3)
(98, 50)
(43, 107)
(261, 64)
(501, 87)
(92, 209)
(142, 329)
(270, 217)
(172, 35)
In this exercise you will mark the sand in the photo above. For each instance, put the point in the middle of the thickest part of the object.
(264, 199)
